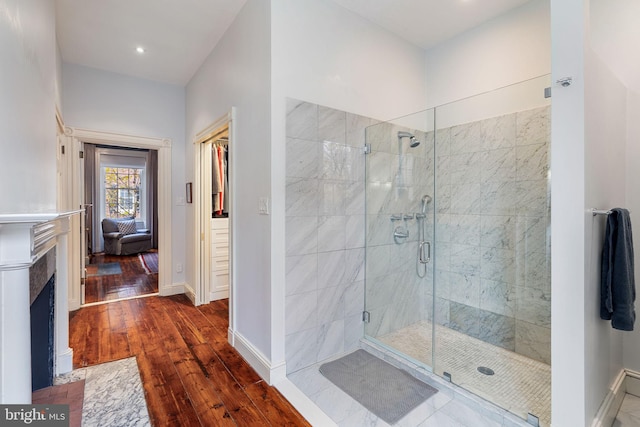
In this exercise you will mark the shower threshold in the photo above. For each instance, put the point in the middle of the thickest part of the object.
(519, 384)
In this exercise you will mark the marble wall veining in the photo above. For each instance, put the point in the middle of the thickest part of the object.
(493, 247)
(490, 240)
(325, 228)
(398, 176)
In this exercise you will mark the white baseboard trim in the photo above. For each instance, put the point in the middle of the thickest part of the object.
(268, 372)
(627, 381)
(216, 295)
(307, 408)
(231, 338)
(64, 362)
(173, 289)
(632, 382)
(190, 293)
(74, 304)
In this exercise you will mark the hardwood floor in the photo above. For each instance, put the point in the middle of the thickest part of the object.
(133, 281)
(191, 375)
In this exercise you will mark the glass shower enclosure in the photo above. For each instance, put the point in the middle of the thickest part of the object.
(457, 256)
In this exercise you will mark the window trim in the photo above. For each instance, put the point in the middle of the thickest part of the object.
(108, 157)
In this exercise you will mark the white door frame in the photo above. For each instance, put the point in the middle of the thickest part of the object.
(202, 193)
(77, 137)
(69, 198)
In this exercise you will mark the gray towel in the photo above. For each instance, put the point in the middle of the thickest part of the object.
(618, 287)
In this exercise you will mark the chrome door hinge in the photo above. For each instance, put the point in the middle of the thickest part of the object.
(533, 420)
(366, 317)
(367, 148)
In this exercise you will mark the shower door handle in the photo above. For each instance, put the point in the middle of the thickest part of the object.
(425, 259)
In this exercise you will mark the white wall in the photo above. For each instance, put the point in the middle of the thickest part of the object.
(106, 101)
(631, 340)
(605, 144)
(589, 160)
(237, 73)
(27, 106)
(568, 216)
(503, 51)
(325, 54)
(614, 33)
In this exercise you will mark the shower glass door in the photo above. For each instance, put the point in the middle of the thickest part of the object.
(399, 252)
(493, 251)
(458, 244)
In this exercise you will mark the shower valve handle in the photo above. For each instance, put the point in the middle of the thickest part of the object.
(424, 258)
(400, 232)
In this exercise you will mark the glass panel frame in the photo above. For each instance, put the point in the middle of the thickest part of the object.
(490, 243)
(399, 174)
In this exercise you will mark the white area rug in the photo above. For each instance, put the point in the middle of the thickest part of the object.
(113, 394)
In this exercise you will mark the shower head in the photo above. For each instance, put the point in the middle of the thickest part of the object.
(413, 142)
(426, 199)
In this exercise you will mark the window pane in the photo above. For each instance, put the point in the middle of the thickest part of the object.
(122, 192)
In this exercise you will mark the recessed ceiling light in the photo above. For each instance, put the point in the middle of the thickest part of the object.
(140, 49)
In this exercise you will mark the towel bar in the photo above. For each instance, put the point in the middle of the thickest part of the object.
(595, 212)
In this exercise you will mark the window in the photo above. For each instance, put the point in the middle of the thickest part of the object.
(122, 189)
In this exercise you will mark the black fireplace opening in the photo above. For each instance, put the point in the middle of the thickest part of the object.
(42, 323)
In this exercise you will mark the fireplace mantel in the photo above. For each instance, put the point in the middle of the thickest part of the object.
(24, 239)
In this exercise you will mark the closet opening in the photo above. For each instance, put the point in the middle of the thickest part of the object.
(213, 206)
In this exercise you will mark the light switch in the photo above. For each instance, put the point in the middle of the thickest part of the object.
(263, 206)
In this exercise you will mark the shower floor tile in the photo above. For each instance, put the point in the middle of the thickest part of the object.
(519, 384)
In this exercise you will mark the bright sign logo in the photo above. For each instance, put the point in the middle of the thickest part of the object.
(34, 415)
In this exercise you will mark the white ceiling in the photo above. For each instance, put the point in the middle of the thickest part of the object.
(179, 34)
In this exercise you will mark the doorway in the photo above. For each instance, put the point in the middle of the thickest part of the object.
(74, 140)
(121, 233)
(213, 208)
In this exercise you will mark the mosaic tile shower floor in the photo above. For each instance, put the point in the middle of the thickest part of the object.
(519, 385)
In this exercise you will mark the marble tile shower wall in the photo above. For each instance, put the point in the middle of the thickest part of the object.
(492, 231)
(492, 244)
(325, 196)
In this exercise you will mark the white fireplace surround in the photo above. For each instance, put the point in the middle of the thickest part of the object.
(25, 238)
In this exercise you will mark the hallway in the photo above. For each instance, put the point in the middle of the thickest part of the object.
(111, 277)
(190, 374)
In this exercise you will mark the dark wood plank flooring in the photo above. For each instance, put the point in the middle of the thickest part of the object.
(191, 375)
(132, 282)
